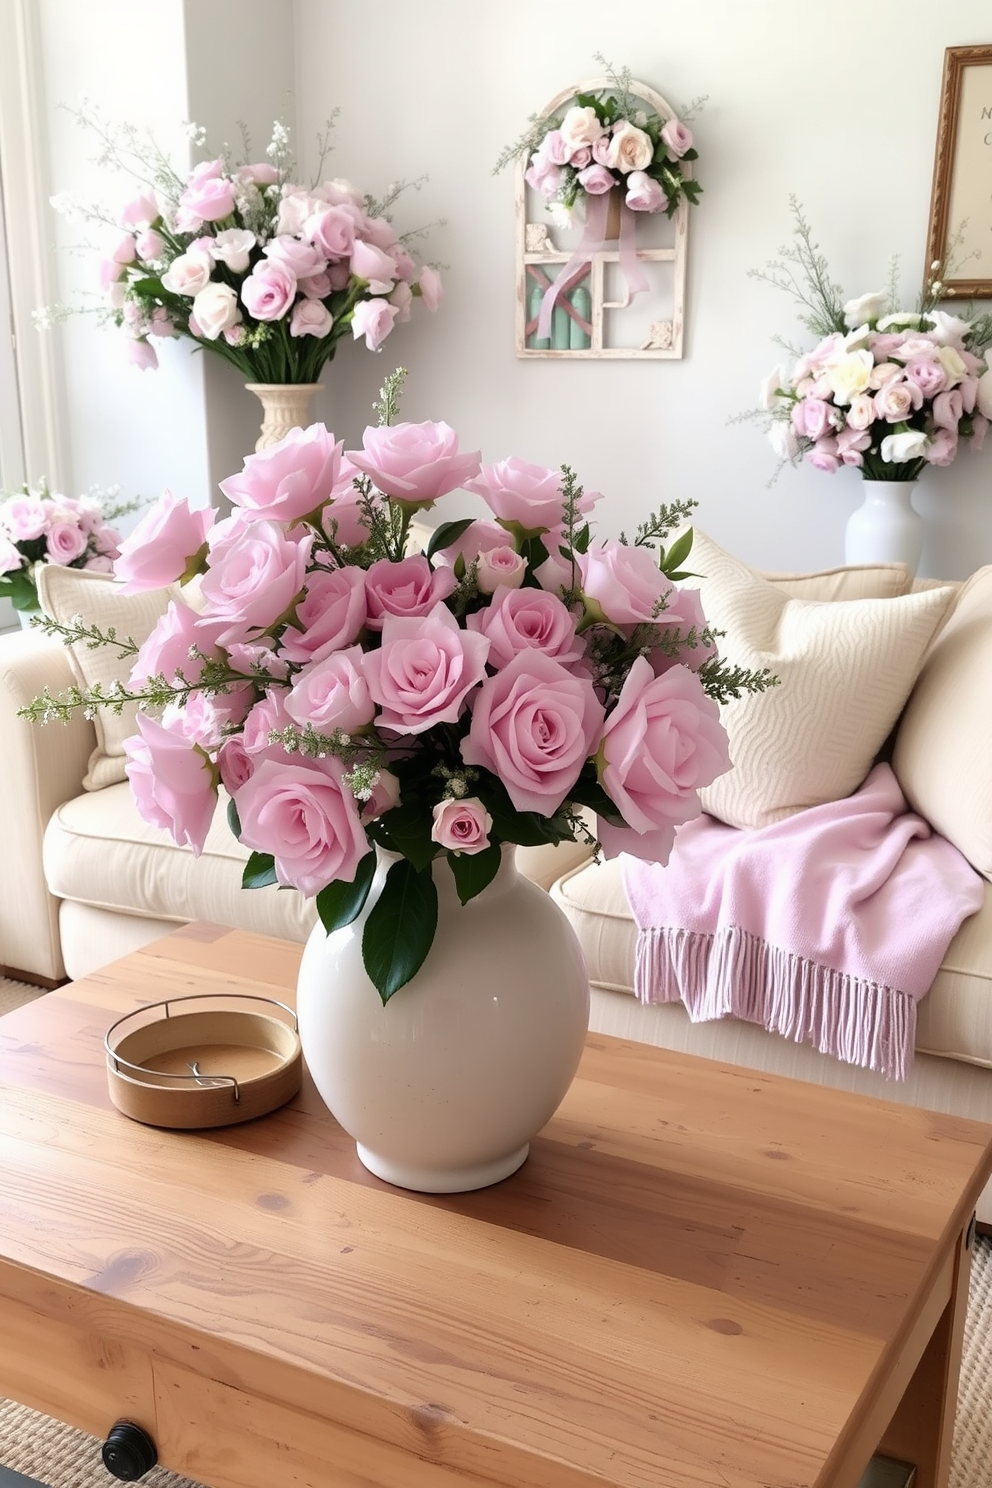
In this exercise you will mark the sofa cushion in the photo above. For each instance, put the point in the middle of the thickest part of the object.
(942, 753)
(855, 581)
(845, 670)
(954, 1019)
(68, 592)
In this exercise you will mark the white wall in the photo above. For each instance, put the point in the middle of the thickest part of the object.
(839, 108)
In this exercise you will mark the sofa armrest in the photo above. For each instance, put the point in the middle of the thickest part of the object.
(41, 766)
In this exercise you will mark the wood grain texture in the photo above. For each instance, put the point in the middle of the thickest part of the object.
(701, 1276)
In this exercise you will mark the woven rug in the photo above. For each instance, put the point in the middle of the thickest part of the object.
(58, 1456)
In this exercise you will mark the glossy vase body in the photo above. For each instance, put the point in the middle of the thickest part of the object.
(285, 406)
(444, 1086)
(886, 527)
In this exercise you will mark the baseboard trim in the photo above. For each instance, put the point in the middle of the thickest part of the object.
(47, 984)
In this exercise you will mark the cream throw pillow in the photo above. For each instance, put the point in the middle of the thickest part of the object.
(845, 670)
(67, 592)
(943, 750)
(857, 581)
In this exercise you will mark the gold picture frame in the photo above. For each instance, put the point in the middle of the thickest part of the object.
(961, 193)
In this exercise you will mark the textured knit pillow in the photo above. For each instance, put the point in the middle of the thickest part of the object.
(857, 581)
(845, 670)
(67, 592)
(943, 753)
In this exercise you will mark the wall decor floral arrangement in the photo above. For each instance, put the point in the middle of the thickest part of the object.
(610, 161)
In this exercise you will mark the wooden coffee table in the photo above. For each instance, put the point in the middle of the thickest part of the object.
(702, 1277)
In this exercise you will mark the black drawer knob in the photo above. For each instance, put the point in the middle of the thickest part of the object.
(128, 1451)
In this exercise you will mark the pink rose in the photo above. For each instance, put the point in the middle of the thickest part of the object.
(141, 211)
(527, 620)
(173, 782)
(310, 317)
(65, 543)
(333, 694)
(301, 259)
(462, 826)
(534, 725)
(167, 649)
(947, 411)
(581, 157)
(661, 743)
(315, 286)
(304, 815)
(401, 299)
(24, 517)
(624, 583)
(543, 176)
(163, 545)
(330, 616)
(11, 558)
(479, 538)
(380, 232)
(341, 517)
(897, 399)
(861, 412)
(210, 198)
(188, 273)
(556, 148)
(234, 763)
(261, 173)
(823, 455)
(150, 245)
(125, 251)
(253, 578)
(268, 291)
(289, 480)
(373, 319)
(331, 230)
(500, 567)
(644, 194)
(677, 137)
(596, 179)
(851, 445)
(268, 716)
(423, 671)
(942, 447)
(521, 495)
(374, 266)
(204, 720)
(431, 289)
(928, 374)
(384, 796)
(141, 354)
(812, 417)
(415, 463)
(408, 587)
(98, 563)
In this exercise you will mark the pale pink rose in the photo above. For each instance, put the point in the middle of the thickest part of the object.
(234, 763)
(928, 374)
(125, 251)
(215, 308)
(596, 179)
(333, 694)
(25, 518)
(330, 616)
(98, 563)
(210, 198)
(161, 547)
(234, 335)
(141, 211)
(162, 323)
(10, 557)
(380, 232)
(601, 149)
(268, 291)
(581, 158)
(662, 742)
(65, 543)
(424, 670)
(331, 230)
(373, 319)
(884, 372)
(580, 126)
(556, 148)
(250, 656)
(861, 412)
(677, 137)
(166, 651)
(897, 400)
(304, 815)
(644, 194)
(527, 620)
(315, 286)
(341, 192)
(301, 259)
(408, 587)
(542, 176)
(254, 578)
(110, 275)
(461, 826)
(341, 516)
(823, 455)
(266, 717)
(430, 286)
(851, 444)
(623, 582)
(141, 354)
(521, 495)
(401, 299)
(968, 389)
(948, 410)
(310, 318)
(555, 574)
(534, 725)
(502, 566)
(374, 266)
(630, 148)
(812, 417)
(260, 173)
(339, 276)
(415, 463)
(478, 538)
(289, 480)
(233, 247)
(188, 274)
(150, 245)
(406, 268)
(205, 720)
(385, 795)
(942, 447)
(173, 782)
(296, 206)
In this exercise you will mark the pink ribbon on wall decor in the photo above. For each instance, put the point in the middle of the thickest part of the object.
(593, 240)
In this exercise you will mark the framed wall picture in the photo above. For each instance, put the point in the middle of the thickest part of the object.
(960, 230)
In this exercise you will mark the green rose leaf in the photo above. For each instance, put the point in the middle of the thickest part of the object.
(341, 902)
(447, 534)
(233, 819)
(474, 872)
(400, 928)
(260, 871)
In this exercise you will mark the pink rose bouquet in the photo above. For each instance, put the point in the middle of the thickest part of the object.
(252, 266)
(508, 684)
(40, 526)
(885, 390)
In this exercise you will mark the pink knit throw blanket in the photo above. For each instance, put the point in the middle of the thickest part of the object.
(826, 928)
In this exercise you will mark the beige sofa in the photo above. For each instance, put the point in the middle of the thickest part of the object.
(85, 880)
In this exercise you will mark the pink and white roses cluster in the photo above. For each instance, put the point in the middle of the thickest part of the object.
(350, 694)
(39, 526)
(264, 272)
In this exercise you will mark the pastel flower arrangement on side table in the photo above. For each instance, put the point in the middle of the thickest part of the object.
(252, 266)
(349, 695)
(39, 526)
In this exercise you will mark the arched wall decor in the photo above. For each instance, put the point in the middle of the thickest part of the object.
(596, 313)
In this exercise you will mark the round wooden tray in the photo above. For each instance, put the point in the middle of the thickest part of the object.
(172, 1065)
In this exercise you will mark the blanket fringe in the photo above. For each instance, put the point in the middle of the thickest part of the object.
(736, 974)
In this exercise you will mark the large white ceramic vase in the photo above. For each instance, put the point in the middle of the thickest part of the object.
(886, 527)
(444, 1086)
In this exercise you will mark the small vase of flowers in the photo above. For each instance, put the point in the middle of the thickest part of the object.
(39, 526)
